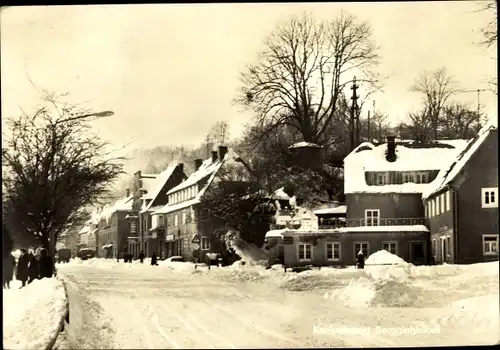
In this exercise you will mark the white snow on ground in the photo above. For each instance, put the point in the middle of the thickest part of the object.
(31, 315)
(384, 257)
(174, 305)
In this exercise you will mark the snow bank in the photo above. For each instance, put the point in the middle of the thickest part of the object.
(32, 315)
(383, 257)
(325, 278)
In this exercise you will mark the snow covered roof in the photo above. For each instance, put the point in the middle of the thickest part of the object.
(450, 172)
(341, 209)
(208, 169)
(304, 144)
(275, 233)
(123, 204)
(157, 186)
(410, 157)
(148, 184)
(85, 229)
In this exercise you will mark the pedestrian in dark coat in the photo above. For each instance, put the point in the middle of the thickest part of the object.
(9, 263)
(154, 259)
(361, 260)
(141, 256)
(22, 267)
(33, 268)
(46, 265)
(130, 258)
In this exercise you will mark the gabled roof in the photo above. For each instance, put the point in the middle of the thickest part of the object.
(208, 170)
(410, 156)
(450, 172)
(156, 188)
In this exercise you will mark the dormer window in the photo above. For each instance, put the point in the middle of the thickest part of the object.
(382, 179)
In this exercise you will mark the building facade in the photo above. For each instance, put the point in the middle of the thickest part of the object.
(150, 194)
(190, 232)
(463, 205)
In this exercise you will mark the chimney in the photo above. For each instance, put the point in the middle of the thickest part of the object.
(181, 166)
(214, 156)
(128, 192)
(138, 174)
(222, 152)
(197, 163)
(391, 149)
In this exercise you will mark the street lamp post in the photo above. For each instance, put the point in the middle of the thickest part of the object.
(102, 114)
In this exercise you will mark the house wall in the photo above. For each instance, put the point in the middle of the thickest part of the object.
(347, 250)
(473, 220)
(183, 234)
(441, 227)
(391, 205)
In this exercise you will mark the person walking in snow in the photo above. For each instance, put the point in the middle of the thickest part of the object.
(141, 256)
(46, 265)
(361, 260)
(154, 259)
(33, 267)
(9, 263)
(22, 267)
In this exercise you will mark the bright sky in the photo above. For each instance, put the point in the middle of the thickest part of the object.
(170, 71)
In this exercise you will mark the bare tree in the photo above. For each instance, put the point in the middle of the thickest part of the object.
(436, 87)
(55, 165)
(489, 31)
(303, 71)
(219, 133)
(459, 121)
(419, 128)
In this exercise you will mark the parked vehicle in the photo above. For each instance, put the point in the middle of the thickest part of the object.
(64, 255)
(86, 253)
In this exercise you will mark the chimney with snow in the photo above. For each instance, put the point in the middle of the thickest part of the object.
(390, 154)
(214, 156)
(181, 166)
(197, 163)
(222, 152)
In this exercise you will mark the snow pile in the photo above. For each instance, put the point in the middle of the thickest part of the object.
(383, 257)
(431, 272)
(32, 314)
(319, 279)
(178, 266)
(482, 312)
(358, 293)
(249, 253)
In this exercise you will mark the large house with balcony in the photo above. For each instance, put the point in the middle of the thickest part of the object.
(188, 227)
(149, 194)
(462, 204)
(383, 187)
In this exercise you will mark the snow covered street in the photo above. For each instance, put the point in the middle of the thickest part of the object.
(118, 305)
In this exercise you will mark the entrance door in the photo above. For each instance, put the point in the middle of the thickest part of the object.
(281, 254)
(444, 249)
(417, 251)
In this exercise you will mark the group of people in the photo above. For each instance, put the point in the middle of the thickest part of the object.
(28, 267)
(142, 256)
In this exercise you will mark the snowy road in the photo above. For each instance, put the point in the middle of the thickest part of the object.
(153, 307)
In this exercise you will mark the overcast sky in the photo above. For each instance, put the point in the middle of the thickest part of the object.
(170, 71)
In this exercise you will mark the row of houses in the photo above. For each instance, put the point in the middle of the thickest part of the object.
(434, 202)
(161, 213)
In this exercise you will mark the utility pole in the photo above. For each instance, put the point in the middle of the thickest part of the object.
(369, 133)
(478, 91)
(354, 120)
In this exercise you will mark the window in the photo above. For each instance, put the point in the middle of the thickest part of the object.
(133, 227)
(145, 224)
(305, 251)
(408, 177)
(176, 220)
(161, 220)
(391, 247)
(168, 221)
(490, 244)
(426, 208)
(333, 251)
(429, 210)
(372, 217)
(183, 217)
(438, 205)
(434, 248)
(448, 246)
(433, 206)
(363, 246)
(489, 197)
(382, 179)
(448, 200)
(205, 243)
(441, 202)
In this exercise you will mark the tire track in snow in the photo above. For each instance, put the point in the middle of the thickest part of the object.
(262, 330)
(154, 320)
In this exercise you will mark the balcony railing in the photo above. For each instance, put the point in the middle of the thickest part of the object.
(340, 222)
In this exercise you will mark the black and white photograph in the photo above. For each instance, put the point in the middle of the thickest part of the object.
(250, 175)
